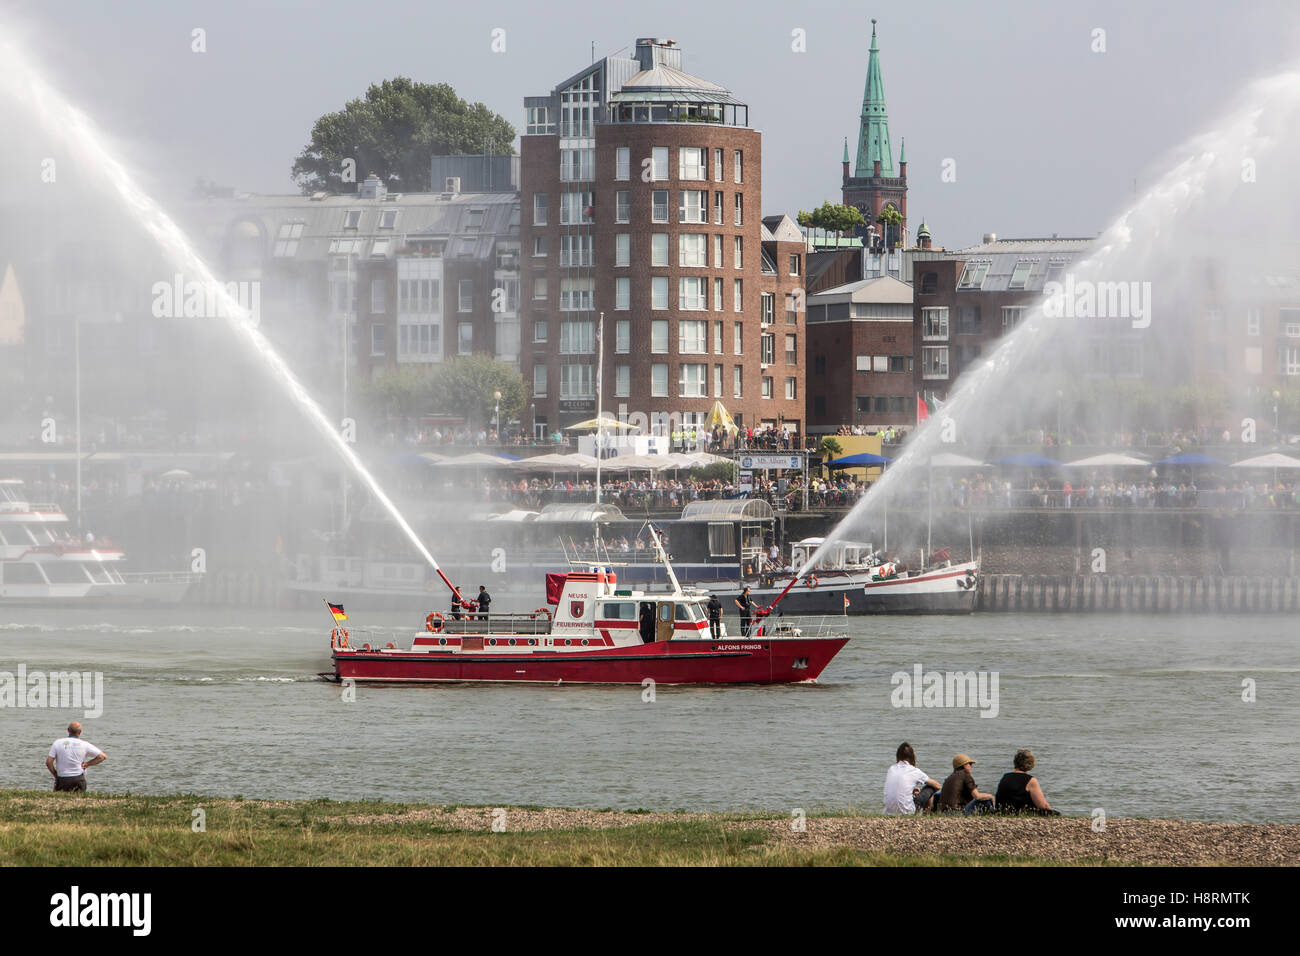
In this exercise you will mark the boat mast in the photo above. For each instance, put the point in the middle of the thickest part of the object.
(600, 403)
(663, 556)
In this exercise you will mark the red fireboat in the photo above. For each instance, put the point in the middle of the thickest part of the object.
(591, 631)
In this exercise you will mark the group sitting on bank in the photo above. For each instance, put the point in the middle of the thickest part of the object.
(908, 789)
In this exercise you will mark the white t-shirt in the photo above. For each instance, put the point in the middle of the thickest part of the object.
(901, 778)
(70, 753)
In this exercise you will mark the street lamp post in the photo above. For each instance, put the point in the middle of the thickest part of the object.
(496, 414)
(1060, 395)
(1276, 429)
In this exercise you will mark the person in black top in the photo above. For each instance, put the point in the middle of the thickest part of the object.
(1019, 792)
(746, 605)
(647, 623)
(715, 616)
(455, 605)
(484, 602)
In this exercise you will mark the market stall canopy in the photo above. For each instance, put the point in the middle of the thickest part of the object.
(1108, 460)
(609, 424)
(1190, 458)
(703, 458)
(475, 460)
(638, 462)
(580, 512)
(866, 458)
(719, 418)
(1027, 459)
(1271, 460)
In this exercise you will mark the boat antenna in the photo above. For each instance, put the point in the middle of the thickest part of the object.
(663, 556)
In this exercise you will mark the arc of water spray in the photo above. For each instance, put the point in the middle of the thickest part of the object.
(1143, 220)
(58, 114)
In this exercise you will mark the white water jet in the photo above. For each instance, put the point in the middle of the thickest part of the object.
(1199, 200)
(25, 84)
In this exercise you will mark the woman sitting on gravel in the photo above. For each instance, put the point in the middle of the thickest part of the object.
(1019, 792)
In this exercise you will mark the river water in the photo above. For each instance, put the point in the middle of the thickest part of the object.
(1134, 715)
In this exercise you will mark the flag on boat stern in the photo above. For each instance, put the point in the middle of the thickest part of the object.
(846, 602)
(337, 611)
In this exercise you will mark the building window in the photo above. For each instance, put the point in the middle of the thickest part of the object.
(353, 219)
(717, 381)
(659, 249)
(968, 320)
(659, 162)
(692, 337)
(972, 276)
(692, 250)
(286, 240)
(737, 374)
(622, 163)
(539, 209)
(934, 361)
(717, 252)
(622, 250)
(539, 246)
(577, 165)
(1289, 319)
(737, 337)
(1252, 321)
(659, 336)
(539, 288)
(767, 306)
(738, 243)
(717, 208)
(717, 165)
(737, 292)
(740, 214)
(658, 381)
(692, 163)
(790, 389)
(658, 292)
(1020, 275)
(378, 296)
(795, 264)
(692, 293)
(1011, 316)
(791, 350)
(415, 293)
(575, 294)
(767, 386)
(465, 338)
(465, 295)
(659, 205)
(717, 296)
(575, 251)
(929, 283)
(900, 363)
(693, 205)
(792, 308)
(416, 339)
(539, 381)
(623, 336)
(378, 337)
(1291, 361)
(767, 348)
(539, 332)
(623, 206)
(622, 294)
(693, 381)
(577, 337)
(622, 381)
(934, 323)
(576, 381)
(575, 208)
(739, 158)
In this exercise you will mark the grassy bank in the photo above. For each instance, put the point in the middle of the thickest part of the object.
(47, 829)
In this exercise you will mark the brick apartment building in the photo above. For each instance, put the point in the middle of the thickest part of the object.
(641, 199)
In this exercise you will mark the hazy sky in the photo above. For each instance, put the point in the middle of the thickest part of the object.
(1048, 136)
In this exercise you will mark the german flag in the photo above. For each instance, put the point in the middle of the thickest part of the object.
(337, 611)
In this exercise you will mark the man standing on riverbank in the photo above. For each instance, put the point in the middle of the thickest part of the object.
(67, 761)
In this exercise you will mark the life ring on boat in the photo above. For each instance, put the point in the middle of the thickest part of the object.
(812, 581)
(542, 610)
(434, 622)
(365, 646)
(340, 637)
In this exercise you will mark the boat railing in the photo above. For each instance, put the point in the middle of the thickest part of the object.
(793, 625)
(162, 577)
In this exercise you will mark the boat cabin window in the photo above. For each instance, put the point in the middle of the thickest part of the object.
(687, 612)
(618, 611)
(665, 612)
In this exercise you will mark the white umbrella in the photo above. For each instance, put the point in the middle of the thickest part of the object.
(176, 473)
(949, 460)
(1271, 460)
(1109, 460)
(702, 458)
(475, 460)
(647, 462)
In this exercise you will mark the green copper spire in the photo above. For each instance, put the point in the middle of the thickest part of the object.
(873, 136)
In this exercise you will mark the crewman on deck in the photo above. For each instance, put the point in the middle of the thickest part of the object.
(746, 605)
(484, 602)
(455, 605)
(715, 616)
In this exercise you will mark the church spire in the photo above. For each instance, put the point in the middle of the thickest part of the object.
(873, 134)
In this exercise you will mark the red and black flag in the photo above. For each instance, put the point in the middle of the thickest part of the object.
(337, 611)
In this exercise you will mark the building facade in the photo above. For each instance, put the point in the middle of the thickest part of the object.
(640, 194)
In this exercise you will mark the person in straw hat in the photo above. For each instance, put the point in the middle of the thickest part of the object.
(959, 791)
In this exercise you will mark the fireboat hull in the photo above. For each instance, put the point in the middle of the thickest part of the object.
(782, 660)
